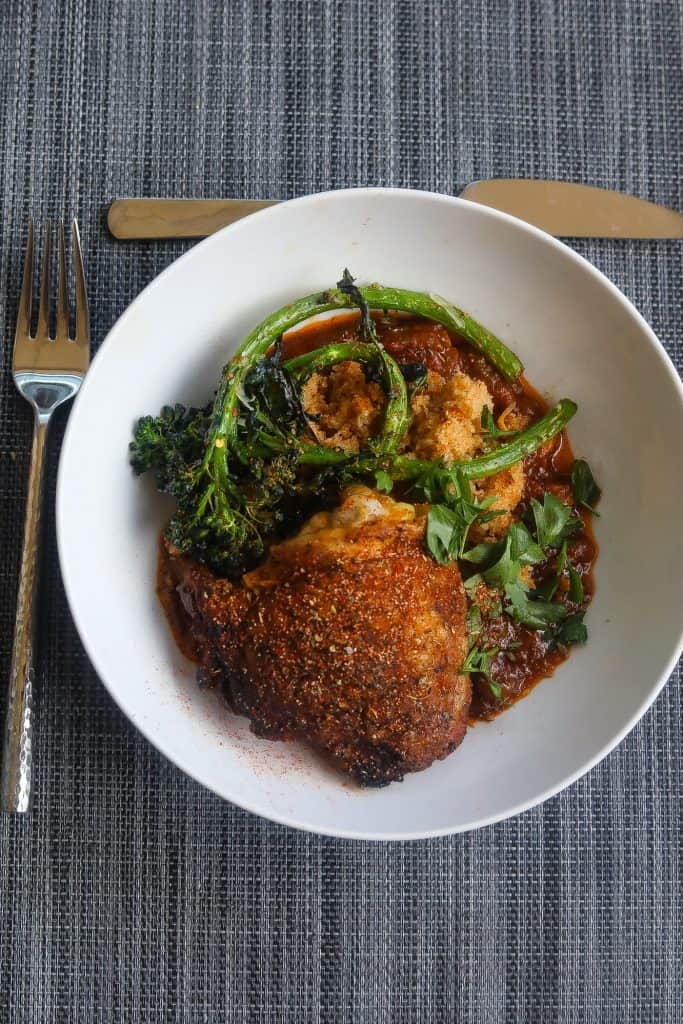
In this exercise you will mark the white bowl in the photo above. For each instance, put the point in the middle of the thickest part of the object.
(578, 336)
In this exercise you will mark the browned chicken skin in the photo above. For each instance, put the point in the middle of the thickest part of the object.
(348, 637)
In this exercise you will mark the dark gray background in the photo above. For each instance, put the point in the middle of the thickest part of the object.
(130, 893)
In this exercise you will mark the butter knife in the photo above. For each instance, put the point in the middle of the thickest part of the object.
(558, 207)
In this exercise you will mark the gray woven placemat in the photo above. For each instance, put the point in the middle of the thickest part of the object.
(131, 894)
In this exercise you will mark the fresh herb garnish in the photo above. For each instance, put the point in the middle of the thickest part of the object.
(474, 620)
(500, 566)
(561, 560)
(480, 661)
(570, 631)
(553, 521)
(535, 612)
(548, 588)
(575, 586)
(489, 428)
(503, 561)
(448, 525)
(444, 533)
(584, 488)
(560, 628)
(383, 481)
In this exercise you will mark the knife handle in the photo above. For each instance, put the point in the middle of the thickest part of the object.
(177, 218)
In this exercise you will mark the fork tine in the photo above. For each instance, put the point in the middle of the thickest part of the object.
(24, 313)
(62, 309)
(43, 327)
(82, 335)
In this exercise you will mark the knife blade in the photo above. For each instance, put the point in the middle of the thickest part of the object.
(576, 211)
(561, 208)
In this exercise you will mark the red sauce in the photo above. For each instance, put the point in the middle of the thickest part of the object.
(167, 592)
(524, 658)
(407, 339)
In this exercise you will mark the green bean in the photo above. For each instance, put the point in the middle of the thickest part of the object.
(526, 443)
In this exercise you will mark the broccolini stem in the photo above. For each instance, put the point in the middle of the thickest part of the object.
(320, 358)
(222, 440)
(506, 455)
(526, 443)
(433, 307)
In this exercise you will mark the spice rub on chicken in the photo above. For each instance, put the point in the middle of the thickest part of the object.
(347, 637)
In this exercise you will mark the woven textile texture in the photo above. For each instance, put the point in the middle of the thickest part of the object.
(129, 893)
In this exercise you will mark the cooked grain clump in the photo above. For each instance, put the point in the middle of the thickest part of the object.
(447, 418)
(344, 409)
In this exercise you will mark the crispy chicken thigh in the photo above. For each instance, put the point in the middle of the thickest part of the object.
(348, 637)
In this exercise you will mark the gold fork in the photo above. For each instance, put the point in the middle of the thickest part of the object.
(47, 371)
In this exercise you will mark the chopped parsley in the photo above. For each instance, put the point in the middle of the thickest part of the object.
(571, 631)
(524, 607)
(383, 481)
(499, 566)
(584, 488)
(448, 525)
(553, 521)
(480, 661)
(503, 561)
(575, 586)
(548, 588)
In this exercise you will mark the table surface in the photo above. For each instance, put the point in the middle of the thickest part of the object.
(131, 894)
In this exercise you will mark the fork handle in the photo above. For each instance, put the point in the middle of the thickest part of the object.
(15, 782)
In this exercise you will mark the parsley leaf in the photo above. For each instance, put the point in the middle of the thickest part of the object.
(444, 529)
(503, 561)
(495, 688)
(480, 661)
(529, 611)
(448, 524)
(474, 622)
(489, 428)
(484, 554)
(383, 481)
(584, 488)
(575, 586)
(561, 559)
(439, 482)
(553, 521)
(571, 631)
(548, 588)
